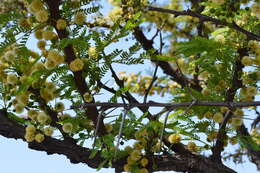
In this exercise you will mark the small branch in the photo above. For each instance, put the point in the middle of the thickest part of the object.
(165, 66)
(256, 121)
(169, 105)
(151, 84)
(204, 18)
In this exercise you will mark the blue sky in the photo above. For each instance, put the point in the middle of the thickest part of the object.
(16, 157)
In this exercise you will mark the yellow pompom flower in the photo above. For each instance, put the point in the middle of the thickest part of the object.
(32, 114)
(19, 108)
(9, 56)
(115, 14)
(42, 16)
(38, 34)
(23, 98)
(49, 64)
(236, 122)
(192, 146)
(29, 137)
(41, 44)
(223, 109)
(42, 118)
(126, 168)
(61, 24)
(92, 52)
(76, 65)
(54, 56)
(247, 61)
(36, 5)
(39, 138)
(47, 95)
(135, 155)
(48, 35)
(79, 18)
(144, 161)
(12, 79)
(206, 92)
(48, 131)
(239, 112)
(67, 127)
(251, 91)
(30, 129)
(218, 117)
(143, 170)
(59, 107)
(87, 97)
(24, 23)
(174, 138)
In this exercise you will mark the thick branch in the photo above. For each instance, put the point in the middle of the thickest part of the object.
(78, 154)
(230, 94)
(204, 18)
(165, 66)
(80, 82)
(170, 105)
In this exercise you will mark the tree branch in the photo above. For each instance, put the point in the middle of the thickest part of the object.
(204, 18)
(80, 82)
(78, 154)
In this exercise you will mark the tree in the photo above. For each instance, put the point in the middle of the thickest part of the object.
(206, 58)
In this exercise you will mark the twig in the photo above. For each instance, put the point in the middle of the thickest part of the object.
(97, 127)
(151, 84)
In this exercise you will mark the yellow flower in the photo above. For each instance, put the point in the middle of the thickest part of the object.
(115, 14)
(206, 92)
(42, 118)
(144, 162)
(251, 91)
(19, 108)
(236, 121)
(126, 168)
(48, 35)
(76, 65)
(61, 24)
(223, 109)
(12, 79)
(42, 16)
(67, 127)
(41, 44)
(32, 114)
(39, 137)
(135, 155)
(38, 34)
(29, 137)
(239, 112)
(30, 129)
(48, 131)
(87, 97)
(79, 18)
(92, 52)
(192, 146)
(36, 5)
(218, 117)
(143, 170)
(54, 56)
(49, 64)
(59, 107)
(247, 61)
(174, 138)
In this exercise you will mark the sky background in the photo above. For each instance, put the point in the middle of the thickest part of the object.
(16, 157)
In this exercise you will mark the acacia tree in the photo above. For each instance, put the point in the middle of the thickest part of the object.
(205, 55)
